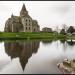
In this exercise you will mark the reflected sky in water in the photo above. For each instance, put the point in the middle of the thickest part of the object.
(34, 57)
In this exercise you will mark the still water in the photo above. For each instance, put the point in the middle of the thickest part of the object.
(34, 57)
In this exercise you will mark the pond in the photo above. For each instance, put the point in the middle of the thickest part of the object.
(34, 56)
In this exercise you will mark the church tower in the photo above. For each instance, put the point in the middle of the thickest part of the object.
(21, 23)
(23, 11)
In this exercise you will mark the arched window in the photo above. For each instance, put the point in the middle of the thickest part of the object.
(26, 28)
(29, 28)
(26, 20)
(26, 24)
(29, 20)
(34, 29)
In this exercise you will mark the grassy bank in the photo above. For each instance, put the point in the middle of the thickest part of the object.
(40, 35)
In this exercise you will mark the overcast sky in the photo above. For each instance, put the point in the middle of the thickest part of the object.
(47, 13)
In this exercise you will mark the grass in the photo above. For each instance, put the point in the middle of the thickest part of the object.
(36, 35)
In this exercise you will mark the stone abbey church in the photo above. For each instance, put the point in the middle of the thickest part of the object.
(22, 23)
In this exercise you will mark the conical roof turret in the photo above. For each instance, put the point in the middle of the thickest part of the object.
(23, 11)
(23, 8)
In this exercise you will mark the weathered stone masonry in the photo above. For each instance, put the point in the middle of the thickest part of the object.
(22, 23)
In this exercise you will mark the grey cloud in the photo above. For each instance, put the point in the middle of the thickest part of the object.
(61, 9)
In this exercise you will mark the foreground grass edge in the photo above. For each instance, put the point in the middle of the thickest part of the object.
(39, 35)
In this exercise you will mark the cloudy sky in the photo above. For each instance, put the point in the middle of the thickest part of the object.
(47, 13)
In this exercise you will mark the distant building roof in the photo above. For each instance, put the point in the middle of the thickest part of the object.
(46, 29)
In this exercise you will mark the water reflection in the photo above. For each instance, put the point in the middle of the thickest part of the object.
(46, 58)
(64, 44)
(63, 41)
(21, 49)
(47, 41)
(71, 43)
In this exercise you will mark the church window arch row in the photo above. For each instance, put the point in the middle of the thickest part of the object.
(28, 28)
(27, 21)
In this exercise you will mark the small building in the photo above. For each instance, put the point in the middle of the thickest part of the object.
(22, 23)
(46, 29)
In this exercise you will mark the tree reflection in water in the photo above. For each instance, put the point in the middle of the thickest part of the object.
(63, 41)
(47, 41)
(71, 43)
(21, 49)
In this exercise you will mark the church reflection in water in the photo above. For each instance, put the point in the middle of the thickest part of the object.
(21, 49)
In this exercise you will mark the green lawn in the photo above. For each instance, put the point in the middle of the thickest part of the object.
(38, 35)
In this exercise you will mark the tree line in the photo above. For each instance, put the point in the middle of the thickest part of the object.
(64, 30)
(67, 29)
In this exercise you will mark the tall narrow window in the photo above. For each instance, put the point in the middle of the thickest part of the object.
(29, 28)
(26, 20)
(26, 24)
(34, 29)
(29, 20)
(26, 28)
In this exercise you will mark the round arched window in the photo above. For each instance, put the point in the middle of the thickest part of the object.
(29, 20)
(26, 20)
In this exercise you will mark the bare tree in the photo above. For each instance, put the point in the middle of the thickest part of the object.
(65, 27)
(56, 29)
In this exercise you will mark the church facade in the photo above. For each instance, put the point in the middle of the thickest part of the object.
(22, 23)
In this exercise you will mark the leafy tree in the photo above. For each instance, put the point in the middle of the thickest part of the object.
(71, 29)
(63, 31)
